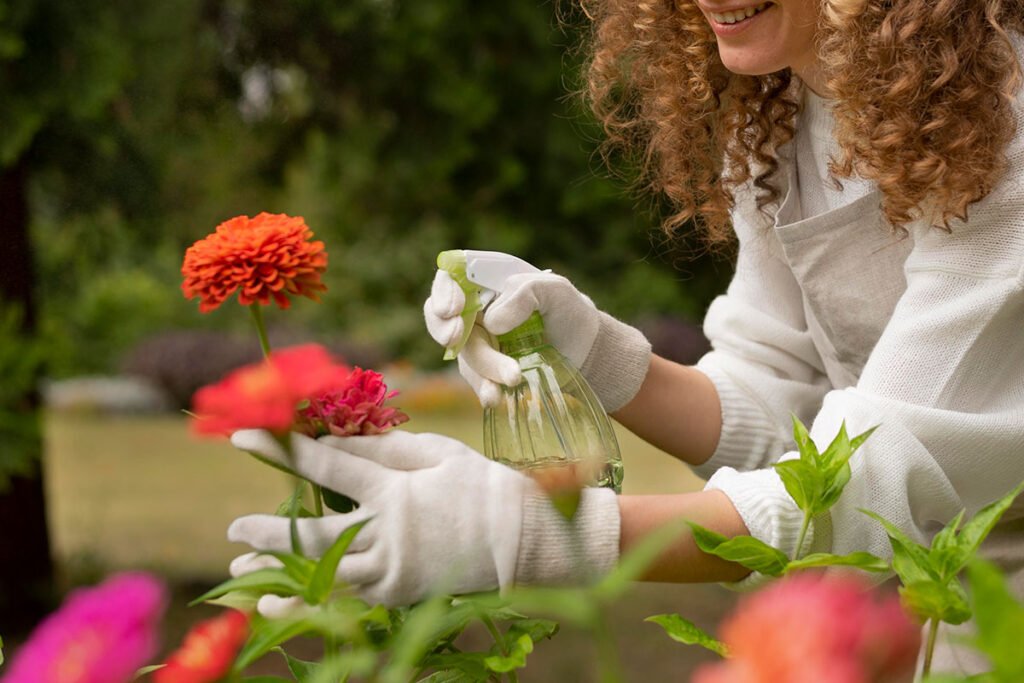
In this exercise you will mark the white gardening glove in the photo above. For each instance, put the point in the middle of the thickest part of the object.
(613, 357)
(442, 517)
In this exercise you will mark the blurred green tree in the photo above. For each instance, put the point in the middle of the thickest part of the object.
(397, 129)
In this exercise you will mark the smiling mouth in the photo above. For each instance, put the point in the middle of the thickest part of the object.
(738, 15)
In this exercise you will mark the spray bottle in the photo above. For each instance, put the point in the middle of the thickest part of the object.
(551, 425)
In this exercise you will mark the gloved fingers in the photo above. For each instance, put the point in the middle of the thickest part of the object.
(445, 331)
(487, 392)
(277, 607)
(361, 569)
(523, 294)
(312, 460)
(317, 534)
(447, 300)
(487, 361)
(396, 449)
(252, 562)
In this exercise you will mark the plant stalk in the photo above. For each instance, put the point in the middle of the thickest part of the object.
(293, 516)
(607, 656)
(933, 631)
(798, 553)
(500, 642)
(261, 328)
(318, 503)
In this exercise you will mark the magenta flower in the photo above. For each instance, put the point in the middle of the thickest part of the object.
(816, 628)
(101, 634)
(355, 406)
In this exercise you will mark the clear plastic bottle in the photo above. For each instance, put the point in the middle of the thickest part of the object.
(552, 419)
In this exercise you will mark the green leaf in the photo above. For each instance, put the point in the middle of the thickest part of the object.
(858, 440)
(267, 679)
(803, 482)
(808, 451)
(322, 580)
(684, 631)
(745, 550)
(576, 606)
(242, 600)
(298, 567)
(460, 665)
(537, 629)
(516, 658)
(454, 676)
(932, 600)
(910, 560)
(999, 618)
(835, 482)
(302, 671)
(138, 674)
(267, 634)
(417, 636)
(977, 528)
(274, 581)
(339, 667)
(284, 509)
(860, 560)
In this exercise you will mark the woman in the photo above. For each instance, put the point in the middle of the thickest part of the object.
(867, 156)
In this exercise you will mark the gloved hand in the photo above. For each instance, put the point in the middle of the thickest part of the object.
(613, 357)
(442, 517)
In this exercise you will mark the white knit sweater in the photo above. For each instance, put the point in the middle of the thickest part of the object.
(831, 317)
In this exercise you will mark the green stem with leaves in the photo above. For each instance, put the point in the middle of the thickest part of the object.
(261, 329)
(500, 642)
(798, 553)
(933, 631)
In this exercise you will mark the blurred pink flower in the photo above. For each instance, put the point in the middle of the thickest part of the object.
(101, 634)
(356, 406)
(815, 628)
(266, 395)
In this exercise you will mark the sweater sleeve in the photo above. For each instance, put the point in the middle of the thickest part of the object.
(763, 362)
(944, 384)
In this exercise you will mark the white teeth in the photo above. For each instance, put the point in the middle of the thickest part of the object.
(737, 15)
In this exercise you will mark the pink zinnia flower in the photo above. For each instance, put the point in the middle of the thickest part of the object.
(355, 406)
(266, 395)
(814, 628)
(101, 634)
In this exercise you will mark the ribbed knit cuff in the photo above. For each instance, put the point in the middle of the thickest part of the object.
(556, 551)
(768, 511)
(745, 427)
(617, 363)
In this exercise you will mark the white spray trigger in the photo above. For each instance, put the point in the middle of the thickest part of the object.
(490, 270)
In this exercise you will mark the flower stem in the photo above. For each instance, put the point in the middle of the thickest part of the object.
(318, 503)
(611, 670)
(261, 328)
(500, 642)
(798, 553)
(293, 516)
(933, 630)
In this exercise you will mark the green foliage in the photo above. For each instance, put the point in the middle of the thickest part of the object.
(930, 587)
(396, 129)
(685, 631)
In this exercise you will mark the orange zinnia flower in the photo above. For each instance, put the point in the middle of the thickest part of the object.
(208, 650)
(270, 255)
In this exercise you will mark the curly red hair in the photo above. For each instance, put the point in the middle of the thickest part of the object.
(923, 96)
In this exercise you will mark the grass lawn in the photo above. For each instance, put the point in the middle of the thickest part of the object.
(140, 492)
